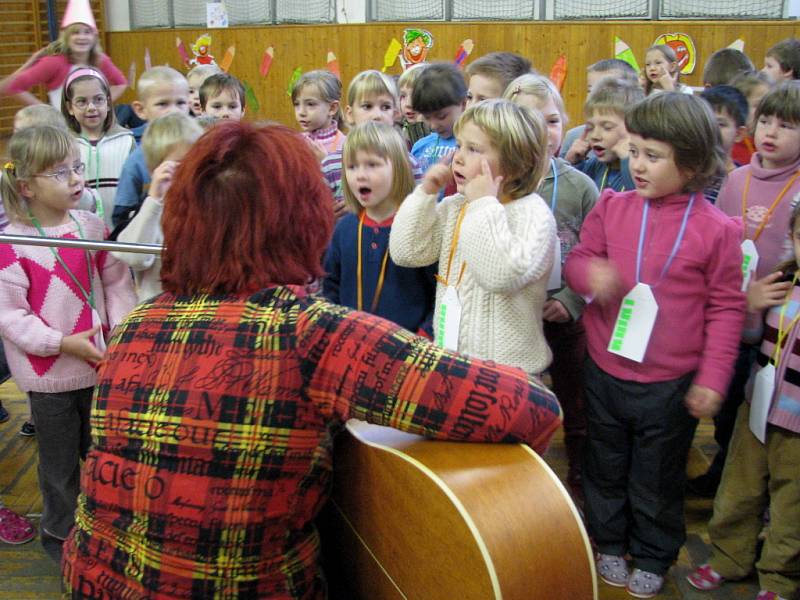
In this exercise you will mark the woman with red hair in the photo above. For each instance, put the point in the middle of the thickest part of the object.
(215, 408)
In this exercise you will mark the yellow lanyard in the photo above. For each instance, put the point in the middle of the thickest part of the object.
(782, 333)
(603, 181)
(381, 276)
(446, 281)
(772, 208)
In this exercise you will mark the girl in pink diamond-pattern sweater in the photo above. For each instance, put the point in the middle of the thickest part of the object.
(56, 305)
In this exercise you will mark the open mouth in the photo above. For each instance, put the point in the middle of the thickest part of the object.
(364, 191)
(639, 181)
(599, 151)
(458, 177)
(768, 147)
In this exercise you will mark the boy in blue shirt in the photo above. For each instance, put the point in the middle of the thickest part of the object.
(439, 95)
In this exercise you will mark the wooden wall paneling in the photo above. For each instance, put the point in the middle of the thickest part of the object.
(362, 46)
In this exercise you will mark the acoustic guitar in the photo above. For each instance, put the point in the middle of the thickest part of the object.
(419, 519)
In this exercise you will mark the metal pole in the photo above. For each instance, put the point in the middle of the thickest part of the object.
(52, 20)
(27, 240)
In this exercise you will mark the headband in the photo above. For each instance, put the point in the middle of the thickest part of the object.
(83, 72)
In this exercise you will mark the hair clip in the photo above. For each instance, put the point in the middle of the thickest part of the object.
(9, 166)
(517, 89)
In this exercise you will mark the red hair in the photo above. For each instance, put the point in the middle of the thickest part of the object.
(248, 208)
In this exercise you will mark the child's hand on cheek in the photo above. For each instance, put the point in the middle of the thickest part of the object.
(623, 146)
(668, 81)
(604, 281)
(484, 184)
(162, 179)
(578, 151)
(437, 177)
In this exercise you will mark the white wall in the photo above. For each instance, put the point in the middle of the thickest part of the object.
(119, 17)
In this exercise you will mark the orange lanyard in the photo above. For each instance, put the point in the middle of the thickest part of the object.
(446, 281)
(381, 276)
(782, 333)
(772, 208)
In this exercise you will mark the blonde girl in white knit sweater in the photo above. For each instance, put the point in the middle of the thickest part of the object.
(494, 239)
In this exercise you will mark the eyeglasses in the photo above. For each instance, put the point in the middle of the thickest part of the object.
(82, 103)
(62, 174)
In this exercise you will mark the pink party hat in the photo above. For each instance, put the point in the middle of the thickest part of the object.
(78, 11)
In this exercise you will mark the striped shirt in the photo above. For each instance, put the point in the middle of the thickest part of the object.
(213, 425)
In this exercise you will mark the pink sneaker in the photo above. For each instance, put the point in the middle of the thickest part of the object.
(705, 578)
(765, 595)
(14, 528)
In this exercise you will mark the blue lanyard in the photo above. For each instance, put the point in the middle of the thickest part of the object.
(675, 246)
(554, 199)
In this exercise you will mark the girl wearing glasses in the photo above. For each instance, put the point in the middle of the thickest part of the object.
(104, 146)
(56, 306)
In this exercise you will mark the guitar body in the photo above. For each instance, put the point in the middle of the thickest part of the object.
(418, 519)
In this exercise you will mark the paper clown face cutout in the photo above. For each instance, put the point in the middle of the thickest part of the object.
(202, 51)
(684, 49)
(416, 43)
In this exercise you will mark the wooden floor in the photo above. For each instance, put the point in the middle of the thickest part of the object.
(27, 573)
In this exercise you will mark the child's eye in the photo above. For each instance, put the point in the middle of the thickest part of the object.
(387, 107)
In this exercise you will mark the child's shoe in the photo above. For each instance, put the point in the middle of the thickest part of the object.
(643, 584)
(705, 578)
(28, 429)
(612, 569)
(765, 595)
(14, 528)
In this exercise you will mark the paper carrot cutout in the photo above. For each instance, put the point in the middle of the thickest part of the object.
(227, 60)
(333, 65)
(390, 56)
(738, 45)
(293, 79)
(266, 62)
(147, 64)
(132, 75)
(182, 51)
(252, 100)
(559, 72)
(623, 52)
(464, 50)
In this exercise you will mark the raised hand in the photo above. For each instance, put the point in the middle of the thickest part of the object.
(484, 184)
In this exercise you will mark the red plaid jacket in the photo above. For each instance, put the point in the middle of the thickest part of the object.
(213, 426)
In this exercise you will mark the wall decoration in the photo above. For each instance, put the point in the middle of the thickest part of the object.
(202, 51)
(182, 51)
(298, 71)
(250, 97)
(148, 64)
(623, 52)
(558, 74)
(464, 50)
(333, 65)
(737, 45)
(266, 62)
(416, 44)
(216, 15)
(390, 56)
(227, 60)
(684, 48)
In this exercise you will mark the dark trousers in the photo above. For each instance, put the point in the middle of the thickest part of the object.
(568, 344)
(634, 473)
(63, 433)
(726, 417)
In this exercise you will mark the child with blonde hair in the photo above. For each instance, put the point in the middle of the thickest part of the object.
(571, 196)
(412, 122)
(196, 78)
(316, 98)
(494, 239)
(39, 114)
(56, 307)
(360, 273)
(165, 143)
(371, 96)
(105, 146)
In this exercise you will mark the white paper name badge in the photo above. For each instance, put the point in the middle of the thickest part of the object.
(763, 388)
(635, 321)
(749, 262)
(554, 282)
(449, 320)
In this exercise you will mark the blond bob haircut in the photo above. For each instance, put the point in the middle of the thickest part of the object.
(782, 101)
(328, 88)
(164, 134)
(369, 84)
(32, 150)
(689, 126)
(156, 76)
(612, 95)
(519, 135)
(61, 45)
(409, 77)
(39, 114)
(382, 140)
(538, 86)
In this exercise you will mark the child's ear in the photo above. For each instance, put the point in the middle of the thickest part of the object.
(138, 108)
(348, 115)
(741, 133)
(24, 187)
(334, 108)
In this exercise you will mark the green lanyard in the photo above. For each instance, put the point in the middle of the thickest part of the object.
(89, 297)
(98, 202)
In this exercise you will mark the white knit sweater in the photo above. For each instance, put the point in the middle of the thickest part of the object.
(144, 228)
(508, 250)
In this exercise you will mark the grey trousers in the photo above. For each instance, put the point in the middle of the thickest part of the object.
(63, 433)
